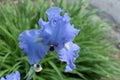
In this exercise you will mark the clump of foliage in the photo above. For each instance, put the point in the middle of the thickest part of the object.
(93, 62)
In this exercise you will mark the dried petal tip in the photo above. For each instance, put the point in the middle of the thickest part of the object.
(37, 67)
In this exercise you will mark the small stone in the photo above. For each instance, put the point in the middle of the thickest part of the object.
(118, 45)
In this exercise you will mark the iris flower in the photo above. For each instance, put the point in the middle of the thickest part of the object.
(55, 34)
(13, 76)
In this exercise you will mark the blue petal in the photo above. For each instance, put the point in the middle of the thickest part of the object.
(42, 23)
(32, 44)
(2, 78)
(66, 17)
(13, 76)
(68, 54)
(53, 12)
(57, 30)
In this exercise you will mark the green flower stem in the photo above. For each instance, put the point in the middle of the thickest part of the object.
(31, 73)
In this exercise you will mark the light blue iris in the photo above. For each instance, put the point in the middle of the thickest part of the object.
(56, 32)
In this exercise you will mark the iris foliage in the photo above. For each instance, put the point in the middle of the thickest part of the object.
(93, 62)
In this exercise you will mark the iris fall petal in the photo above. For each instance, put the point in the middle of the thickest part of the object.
(32, 45)
(69, 54)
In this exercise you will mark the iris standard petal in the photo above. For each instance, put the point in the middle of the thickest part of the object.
(12, 76)
(32, 44)
(69, 54)
(57, 30)
(53, 12)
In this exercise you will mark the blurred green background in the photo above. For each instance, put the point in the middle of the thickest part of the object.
(93, 63)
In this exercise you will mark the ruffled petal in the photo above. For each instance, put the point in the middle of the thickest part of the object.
(66, 17)
(42, 23)
(31, 44)
(57, 30)
(53, 12)
(68, 54)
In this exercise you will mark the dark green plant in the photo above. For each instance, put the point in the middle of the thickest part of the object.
(93, 62)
